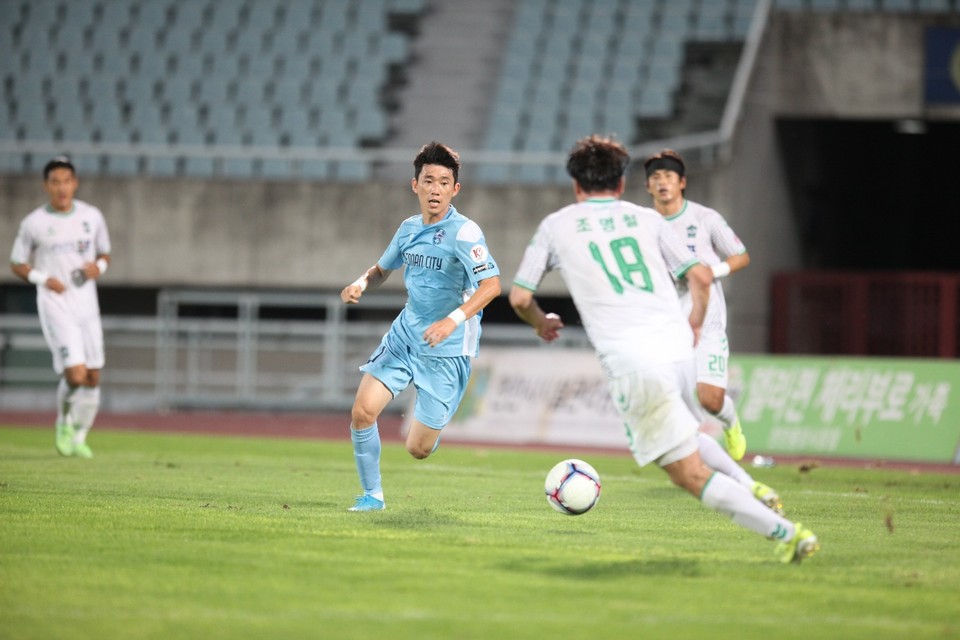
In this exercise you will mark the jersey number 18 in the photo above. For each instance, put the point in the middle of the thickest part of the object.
(629, 261)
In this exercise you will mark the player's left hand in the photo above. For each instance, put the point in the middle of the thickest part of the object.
(90, 271)
(439, 331)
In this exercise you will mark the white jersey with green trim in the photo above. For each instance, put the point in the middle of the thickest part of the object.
(711, 239)
(618, 260)
(57, 244)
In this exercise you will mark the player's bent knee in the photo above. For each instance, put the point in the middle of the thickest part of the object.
(418, 452)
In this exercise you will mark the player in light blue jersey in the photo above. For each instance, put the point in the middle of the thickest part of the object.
(450, 278)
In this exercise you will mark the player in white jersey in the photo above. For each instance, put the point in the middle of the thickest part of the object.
(450, 278)
(619, 260)
(715, 244)
(63, 248)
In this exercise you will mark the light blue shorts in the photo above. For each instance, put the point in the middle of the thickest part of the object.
(440, 382)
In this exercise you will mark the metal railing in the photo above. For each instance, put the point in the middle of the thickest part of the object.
(215, 349)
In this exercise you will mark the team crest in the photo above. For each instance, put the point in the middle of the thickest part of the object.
(439, 236)
(692, 231)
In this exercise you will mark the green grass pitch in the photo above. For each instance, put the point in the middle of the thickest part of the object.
(188, 536)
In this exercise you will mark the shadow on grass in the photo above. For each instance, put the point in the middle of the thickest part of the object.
(415, 519)
(590, 570)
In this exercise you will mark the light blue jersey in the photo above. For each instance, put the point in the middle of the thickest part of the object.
(444, 263)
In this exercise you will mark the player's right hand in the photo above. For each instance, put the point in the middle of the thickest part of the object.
(55, 285)
(351, 294)
(549, 329)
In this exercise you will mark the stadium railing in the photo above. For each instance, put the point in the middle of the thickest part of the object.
(216, 349)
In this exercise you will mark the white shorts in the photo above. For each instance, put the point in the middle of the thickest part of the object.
(657, 408)
(73, 342)
(713, 354)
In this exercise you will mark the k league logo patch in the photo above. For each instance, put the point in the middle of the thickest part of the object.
(439, 236)
(478, 252)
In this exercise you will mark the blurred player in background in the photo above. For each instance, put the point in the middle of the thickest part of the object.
(63, 248)
(450, 278)
(715, 244)
(619, 261)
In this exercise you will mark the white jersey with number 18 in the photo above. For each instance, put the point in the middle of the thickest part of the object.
(618, 261)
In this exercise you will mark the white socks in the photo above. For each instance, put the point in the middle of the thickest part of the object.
(715, 457)
(728, 412)
(726, 496)
(65, 395)
(86, 404)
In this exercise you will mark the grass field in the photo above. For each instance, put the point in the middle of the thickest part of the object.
(186, 536)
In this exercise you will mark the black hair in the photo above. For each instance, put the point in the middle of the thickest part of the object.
(60, 162)
(598, 163)
(437, 153)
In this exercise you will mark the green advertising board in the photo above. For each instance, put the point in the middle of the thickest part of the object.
(893, 409)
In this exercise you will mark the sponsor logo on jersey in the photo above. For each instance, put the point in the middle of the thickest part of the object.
(66, 247)
(478, 252)
(422, 261)
(482, 267)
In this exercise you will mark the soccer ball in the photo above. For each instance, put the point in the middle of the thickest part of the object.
(572, 487)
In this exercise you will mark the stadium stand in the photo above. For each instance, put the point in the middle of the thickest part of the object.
(262, 74)
(230, 83)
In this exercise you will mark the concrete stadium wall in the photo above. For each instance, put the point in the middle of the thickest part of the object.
(851, 65)
(277, 234)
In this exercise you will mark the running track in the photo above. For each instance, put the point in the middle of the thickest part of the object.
(335, 427)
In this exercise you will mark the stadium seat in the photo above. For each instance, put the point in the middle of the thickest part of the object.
(122, 165)
(314, 169)
(897, 5)
(792, 5)
(933, 5)
(655, 103)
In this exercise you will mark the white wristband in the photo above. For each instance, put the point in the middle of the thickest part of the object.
(37, 277)
(458, 316)
(360, 282)
(720, 270)
(102, 264)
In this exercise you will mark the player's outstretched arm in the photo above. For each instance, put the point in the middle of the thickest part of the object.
(371, 278)
(547, 325)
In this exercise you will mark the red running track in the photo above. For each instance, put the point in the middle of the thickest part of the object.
(335, 426)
